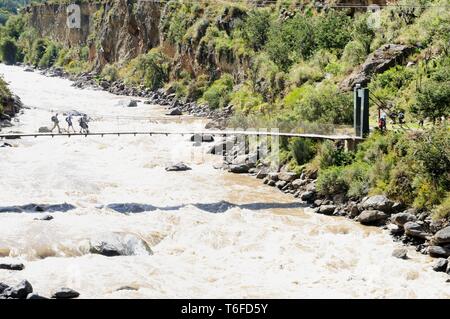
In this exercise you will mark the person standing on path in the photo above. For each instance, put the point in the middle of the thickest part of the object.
(69, 123)
(55, 121)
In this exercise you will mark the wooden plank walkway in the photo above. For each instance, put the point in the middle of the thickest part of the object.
(219, 133)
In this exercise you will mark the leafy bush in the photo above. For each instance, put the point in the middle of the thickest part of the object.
(433, 100)
(324, 104)
(330, 181)
(50, 55)
(151, 70)
(303, 150)
(110, 73)
(256, 28)
(330, 155)
(332, 29)
(218, 94)
(8, 51)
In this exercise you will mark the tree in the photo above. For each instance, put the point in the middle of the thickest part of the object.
(8, 51)
(432, 100)
(256, 28)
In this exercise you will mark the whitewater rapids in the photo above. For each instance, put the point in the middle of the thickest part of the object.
(213, 234)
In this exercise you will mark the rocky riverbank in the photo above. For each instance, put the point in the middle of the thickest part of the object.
(406, 225)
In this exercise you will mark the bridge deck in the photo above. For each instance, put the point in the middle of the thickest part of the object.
(220, 133)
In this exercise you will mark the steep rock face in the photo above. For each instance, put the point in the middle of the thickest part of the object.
(114, 30)
(50, 20)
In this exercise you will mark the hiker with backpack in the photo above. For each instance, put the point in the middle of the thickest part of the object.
(84, 127)
(69, 123)
(55, 121)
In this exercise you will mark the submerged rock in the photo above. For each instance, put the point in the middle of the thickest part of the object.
(175, 111)
(45, 217)
(369, 217)
(119, 244)
(20, 291)
(8, 266)
(179, 167)
(440, 265)
(35, 296)
(327, 209)
(401, 253)
(65, 293)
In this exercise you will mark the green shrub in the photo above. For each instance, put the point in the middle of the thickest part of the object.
(332, 29)
(151, 70)
(330, 181)
(8, 51)
(443, 210)
(303, 150)
(330, 155)
(256, 28)
(219, 93)
(356, 176)
(50, 55)
(110, 73)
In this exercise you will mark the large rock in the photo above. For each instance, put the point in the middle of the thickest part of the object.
(299, 183)
(221, 147)
(179, 167)
(119, 244)
(379, 61)
(401, 253)
(378, 202)
(442, 236)
(287, 176)
(440, 265)
(369, 217)
(239, 168)
(307, 196)
(327, 209)
(19, 291)
(132, 103)
(413, 229)
(35, 296)
(439, 251)
(401, 219)
(3, 287)
(8, 266)
(175, 111)
(65, 293)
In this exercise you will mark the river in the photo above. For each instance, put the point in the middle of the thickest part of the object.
(213, 234)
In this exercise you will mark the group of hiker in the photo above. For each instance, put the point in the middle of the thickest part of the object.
(82, 121)
(382, 119)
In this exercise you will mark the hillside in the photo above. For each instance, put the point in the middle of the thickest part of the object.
(280, 65)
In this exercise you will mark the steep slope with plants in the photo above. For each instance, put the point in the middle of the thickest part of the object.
(279, 65)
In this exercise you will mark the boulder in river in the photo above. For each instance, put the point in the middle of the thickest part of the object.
(20, 291)
(132, 103)
(3, 287)
(12, 266)
(307, 196)
(440, 265)
(45, 217)
(378, 202)
(179, 167)
(44, 129)
(119, 244)
(35, 296)
(327, 209)
(175, 111)
(401, 253)
(369, 217)
(439, 251)
(413, 229)
(65, 293)
(442, 236)
(239, 168)
(401, 219)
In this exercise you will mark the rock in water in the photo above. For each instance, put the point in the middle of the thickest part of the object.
(65, 293)
(440, 265)
(369, 217)
(119, 244)
(175, 111)
(239, 169)
(438, 251)
(401, 253)
(179, 167)
(202, 138)
(401, 219)
(442, 236)
(378, 202)
(45, 217)
(327, 209)
(3, 287)
(19, 291)
(132, 103)
(12, 266)
(35, 296)
(413, 229)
